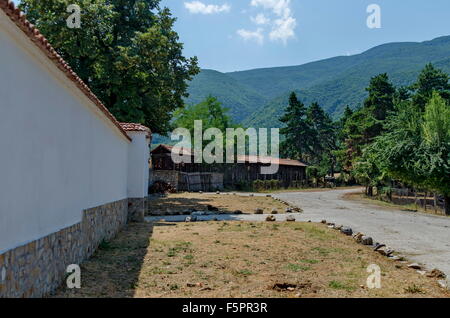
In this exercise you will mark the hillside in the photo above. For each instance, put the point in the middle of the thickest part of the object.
(241, 100)
(334, 82)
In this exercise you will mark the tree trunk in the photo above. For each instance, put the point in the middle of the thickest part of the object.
(389, 195)
(415, 198)
(447, 204)
(425, 201)
(370, 191)
(435, 202)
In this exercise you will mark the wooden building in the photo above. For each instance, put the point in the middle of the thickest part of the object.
(246, 170)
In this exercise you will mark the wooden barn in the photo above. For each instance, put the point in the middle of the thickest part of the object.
(248, 169)
(190, 176)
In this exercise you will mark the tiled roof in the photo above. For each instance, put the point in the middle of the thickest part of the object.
(246, 159)
(135, 127)
(267, 160)
(35, 36)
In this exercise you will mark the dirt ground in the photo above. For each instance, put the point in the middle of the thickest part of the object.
(227, 203)
(242, 259)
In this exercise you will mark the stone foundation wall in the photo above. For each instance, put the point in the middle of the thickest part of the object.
(137, 208)
(38, 268)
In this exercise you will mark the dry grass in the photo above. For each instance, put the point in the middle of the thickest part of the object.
(242, 259)
(228, 203)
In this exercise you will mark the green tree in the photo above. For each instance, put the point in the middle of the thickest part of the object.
(210, 112)
(380, 100)
(348, 113)
(323, 140)
(365, 124)
(297, 131)
(126, 51)
(416, 147)
(323, 137)
(430, 80)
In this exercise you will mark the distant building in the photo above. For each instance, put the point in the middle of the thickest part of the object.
(190, 176)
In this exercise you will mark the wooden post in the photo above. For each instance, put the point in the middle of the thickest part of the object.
(435, 202)
(425, 201)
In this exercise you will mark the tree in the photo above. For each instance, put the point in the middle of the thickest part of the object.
(434, 159)
(126, 51)
(380, 100)
(430, 80)
(323, 139)
(365, 124)
(210, 112)
(348, 113)
(416, 147)
(297, 131)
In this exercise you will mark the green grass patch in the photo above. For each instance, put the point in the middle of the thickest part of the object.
(341, 286)
(297, 267)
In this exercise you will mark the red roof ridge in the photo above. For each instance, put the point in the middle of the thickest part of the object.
(135, 127)
(19, 18)
(245, 158)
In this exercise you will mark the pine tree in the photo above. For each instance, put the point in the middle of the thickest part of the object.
(381, 96)
(297, 131)
(430, 80)
(323, 139)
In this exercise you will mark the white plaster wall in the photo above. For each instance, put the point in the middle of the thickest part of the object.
(138, 167)
(58, 154)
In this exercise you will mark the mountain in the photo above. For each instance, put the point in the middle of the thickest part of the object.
(258, 97)
(241, 100)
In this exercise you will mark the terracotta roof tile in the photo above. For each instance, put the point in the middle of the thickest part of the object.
(266, 160)
(135, 127)
(246, 159)
(33, 33)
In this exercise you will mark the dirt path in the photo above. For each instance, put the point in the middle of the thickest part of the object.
(423, 238)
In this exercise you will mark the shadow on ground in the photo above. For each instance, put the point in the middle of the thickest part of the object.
(114, 269)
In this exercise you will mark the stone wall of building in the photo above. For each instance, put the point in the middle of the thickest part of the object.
(39, 267)
(137, 208)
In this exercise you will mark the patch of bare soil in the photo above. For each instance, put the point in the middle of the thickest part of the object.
(227, 203)
(242, 259)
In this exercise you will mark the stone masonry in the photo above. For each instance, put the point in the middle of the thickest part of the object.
(137, 208)
(38, 268)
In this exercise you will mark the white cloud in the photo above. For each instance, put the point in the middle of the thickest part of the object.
(256, 36)
(260, 19)
(283, 29)
(284, 24)
(199, 7)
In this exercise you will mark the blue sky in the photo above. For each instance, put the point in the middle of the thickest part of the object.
(230, 35)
